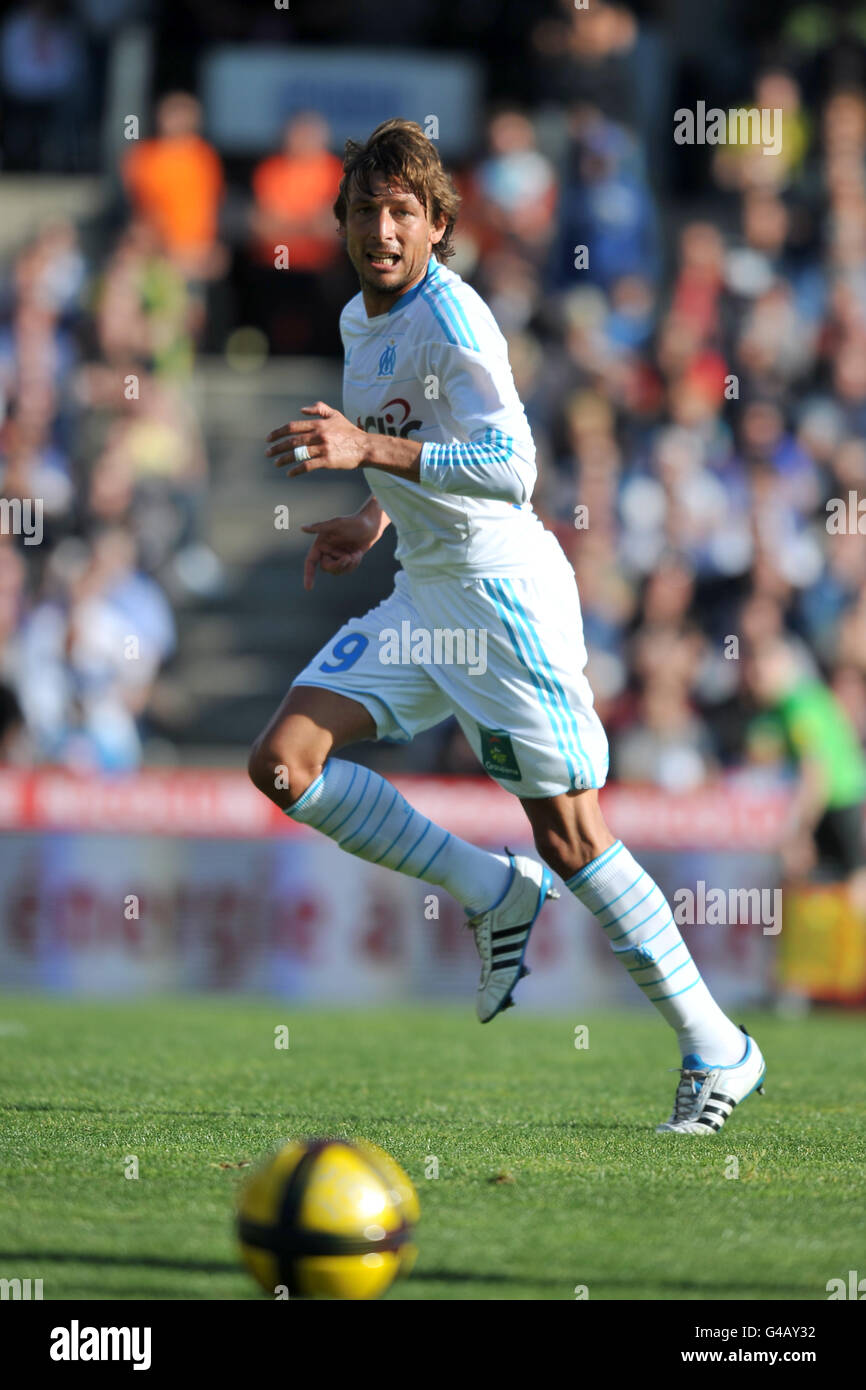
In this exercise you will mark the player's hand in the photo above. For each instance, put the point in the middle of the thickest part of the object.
(339, 546)
(331, 440)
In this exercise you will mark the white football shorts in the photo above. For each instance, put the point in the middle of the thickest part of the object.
(505, 656)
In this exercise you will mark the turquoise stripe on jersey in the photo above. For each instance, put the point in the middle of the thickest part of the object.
(449, 314)
(503, 444)
(555, 682)
(506, 616)
(494, 445)
(460, 314)
(442, 321)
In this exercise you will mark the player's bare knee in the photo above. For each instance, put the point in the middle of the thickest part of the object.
(260, 767)
(282, 770)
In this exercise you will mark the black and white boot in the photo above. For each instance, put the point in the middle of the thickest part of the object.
(502, 933)
(706, 1095)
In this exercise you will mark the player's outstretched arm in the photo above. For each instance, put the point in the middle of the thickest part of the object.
(329, 440)
(341, 543)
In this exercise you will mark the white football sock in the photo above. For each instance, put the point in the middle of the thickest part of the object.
(640, 927)
(368, 817)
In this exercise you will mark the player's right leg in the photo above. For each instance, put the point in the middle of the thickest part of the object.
(348, 693)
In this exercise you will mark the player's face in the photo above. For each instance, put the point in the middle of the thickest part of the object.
(389, 238)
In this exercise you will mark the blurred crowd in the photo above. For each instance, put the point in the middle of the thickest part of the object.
(84, 622)
(692, 360)
(699, 425)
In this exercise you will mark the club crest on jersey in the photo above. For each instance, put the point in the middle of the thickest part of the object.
(388, 360)
(390, 422)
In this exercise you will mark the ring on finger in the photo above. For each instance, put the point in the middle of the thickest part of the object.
(301, 454)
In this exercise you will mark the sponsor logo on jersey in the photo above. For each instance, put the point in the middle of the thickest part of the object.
(390, 421)
(497, 754)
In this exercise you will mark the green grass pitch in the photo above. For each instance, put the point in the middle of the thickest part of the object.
(550, 1173)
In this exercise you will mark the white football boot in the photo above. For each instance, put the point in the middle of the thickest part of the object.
(502, 933)
(706, 1095)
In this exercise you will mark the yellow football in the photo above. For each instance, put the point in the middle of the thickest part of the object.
(328, 1218)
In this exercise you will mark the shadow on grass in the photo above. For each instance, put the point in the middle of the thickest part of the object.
(227, 1267)
(742, 1289)
(627, 1287)
(346, 1122)
(105, 1111)
(123, 1261)
(461, 1276)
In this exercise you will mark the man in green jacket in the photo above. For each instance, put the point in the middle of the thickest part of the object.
(825, 827)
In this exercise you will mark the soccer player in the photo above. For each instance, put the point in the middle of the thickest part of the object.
(826, 816)
(432, 416)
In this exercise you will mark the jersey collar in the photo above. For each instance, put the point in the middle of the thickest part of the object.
(416, 289)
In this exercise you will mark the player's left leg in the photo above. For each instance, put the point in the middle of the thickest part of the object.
(719, 1068)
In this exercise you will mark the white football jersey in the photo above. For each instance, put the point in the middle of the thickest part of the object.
(435, 368)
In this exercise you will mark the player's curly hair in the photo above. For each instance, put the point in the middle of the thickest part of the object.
(402, 153)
